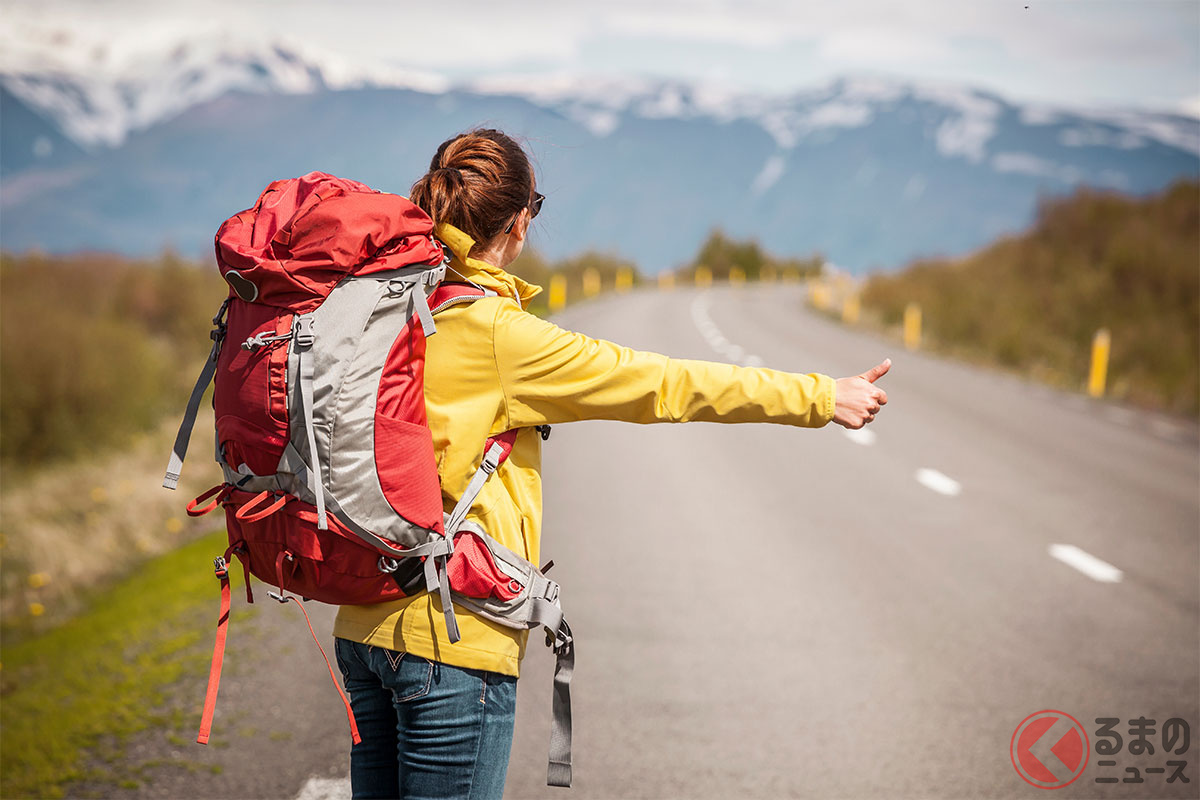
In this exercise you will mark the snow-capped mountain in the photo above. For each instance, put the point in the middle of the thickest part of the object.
(160, 146)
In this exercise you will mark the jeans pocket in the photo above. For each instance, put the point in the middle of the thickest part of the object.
(412, 680)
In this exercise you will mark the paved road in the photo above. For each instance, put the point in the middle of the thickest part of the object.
(772, 612)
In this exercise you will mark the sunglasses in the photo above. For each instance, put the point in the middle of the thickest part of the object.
(534, 208)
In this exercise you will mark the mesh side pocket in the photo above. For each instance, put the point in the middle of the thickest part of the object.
(474, 573)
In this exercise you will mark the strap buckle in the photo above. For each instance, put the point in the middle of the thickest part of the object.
(302, 332)
(220, 568)
(217, 334)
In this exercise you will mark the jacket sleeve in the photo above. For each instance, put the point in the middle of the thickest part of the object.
(550, 375)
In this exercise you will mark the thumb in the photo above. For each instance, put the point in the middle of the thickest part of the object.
(878, 371)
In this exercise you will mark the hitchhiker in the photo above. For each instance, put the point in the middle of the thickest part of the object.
(436, 718)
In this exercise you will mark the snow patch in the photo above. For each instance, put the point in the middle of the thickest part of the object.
(1029, 164)
(966, 137)
(915, 187)
(1182, 132)
(1099, 137)
(768, 176)
(601, 122)
(1176, 131)
(839, 114)
(966, 134)
(788, 125)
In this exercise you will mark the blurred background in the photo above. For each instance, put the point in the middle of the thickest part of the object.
(1004, 197)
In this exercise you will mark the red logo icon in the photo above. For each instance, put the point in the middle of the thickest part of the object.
(1049, 749)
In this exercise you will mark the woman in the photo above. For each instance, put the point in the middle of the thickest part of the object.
(437, 719)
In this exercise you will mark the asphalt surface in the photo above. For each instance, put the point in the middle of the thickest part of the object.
(764, 611)
(773, 612)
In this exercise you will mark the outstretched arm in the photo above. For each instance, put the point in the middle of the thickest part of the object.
(550, 375)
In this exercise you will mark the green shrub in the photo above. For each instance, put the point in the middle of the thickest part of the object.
(94, 348)
(1092, 260)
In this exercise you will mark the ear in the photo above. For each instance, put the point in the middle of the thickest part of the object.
(521, 228)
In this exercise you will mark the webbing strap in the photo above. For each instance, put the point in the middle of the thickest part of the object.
(447, 604)
(179, 450)
(294, 464)
(491, 460)
(184, 436)
(558, 773)
(303, 342)
(546, 614)
(421, 302)
(214, 672)
(345, 701)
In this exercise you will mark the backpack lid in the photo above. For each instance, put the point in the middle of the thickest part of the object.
(306, 234)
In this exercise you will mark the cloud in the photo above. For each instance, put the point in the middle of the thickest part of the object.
(1094, 52)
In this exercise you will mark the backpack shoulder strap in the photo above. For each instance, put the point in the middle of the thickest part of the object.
(452, 293)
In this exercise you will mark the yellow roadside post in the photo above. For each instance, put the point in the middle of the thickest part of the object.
(1098, 375)
(703, 277)
(558, 293)
(737, 276)
(624, 279)
(818, 295)
(912, 326)
(791, 276)
(850, 308)
(591, 282)
(666, 280)
(766, 274)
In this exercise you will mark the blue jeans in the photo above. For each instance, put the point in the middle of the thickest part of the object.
(429, 730)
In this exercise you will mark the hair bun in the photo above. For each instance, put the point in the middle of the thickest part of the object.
(478, 182)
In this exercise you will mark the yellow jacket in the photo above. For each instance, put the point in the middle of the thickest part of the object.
(493, 367)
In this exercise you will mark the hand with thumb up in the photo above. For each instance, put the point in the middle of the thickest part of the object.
(858, 399)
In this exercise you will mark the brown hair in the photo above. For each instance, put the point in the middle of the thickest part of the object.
(478, 182)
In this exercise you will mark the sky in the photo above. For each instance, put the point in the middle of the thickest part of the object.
(1084, 53)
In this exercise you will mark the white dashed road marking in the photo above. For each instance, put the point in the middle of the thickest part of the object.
(716, 340)
(1086, 563)
(325, 789)
(942, 484)
(862, 436)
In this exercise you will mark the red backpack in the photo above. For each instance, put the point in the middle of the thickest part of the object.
(330, 484)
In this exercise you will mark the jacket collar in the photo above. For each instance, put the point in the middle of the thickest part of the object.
(479, 272)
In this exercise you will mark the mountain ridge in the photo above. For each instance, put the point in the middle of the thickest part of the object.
(870, 172)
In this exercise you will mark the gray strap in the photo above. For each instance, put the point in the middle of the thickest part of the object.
(303, 339)
(179, 451)
(437, 546)
(546, 614)
(558, 773)
(431, 576)
(447, 603)
(436, 580)
(421, 302)
(491, 460)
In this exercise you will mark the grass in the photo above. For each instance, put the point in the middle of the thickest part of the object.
(73, 695)
(72, 527)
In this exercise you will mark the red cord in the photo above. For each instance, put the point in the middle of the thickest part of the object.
(345, 701)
